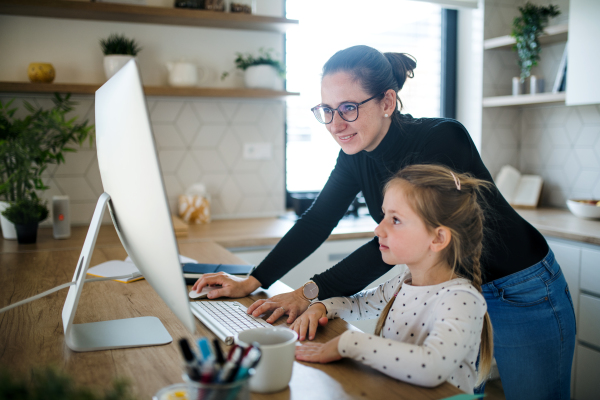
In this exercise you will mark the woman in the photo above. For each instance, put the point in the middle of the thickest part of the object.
(527, 296)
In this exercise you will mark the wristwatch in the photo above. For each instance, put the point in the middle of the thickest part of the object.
(310, 290)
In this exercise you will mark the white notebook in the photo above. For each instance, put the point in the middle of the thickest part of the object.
(119, 268)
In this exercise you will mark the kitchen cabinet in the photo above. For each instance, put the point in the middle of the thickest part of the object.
(583, 81)
(580, 263)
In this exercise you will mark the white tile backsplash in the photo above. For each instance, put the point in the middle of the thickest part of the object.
(198, 140)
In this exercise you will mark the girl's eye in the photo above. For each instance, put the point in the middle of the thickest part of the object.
(396, 220)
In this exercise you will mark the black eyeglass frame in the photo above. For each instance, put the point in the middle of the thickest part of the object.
(357, 105)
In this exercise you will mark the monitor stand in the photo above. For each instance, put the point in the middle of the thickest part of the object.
(115, 334)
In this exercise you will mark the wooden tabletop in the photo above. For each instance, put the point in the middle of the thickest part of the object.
(32, 335)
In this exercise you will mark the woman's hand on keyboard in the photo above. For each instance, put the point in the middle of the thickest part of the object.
(309, 321)
(231, 285)
(292, 304)
(319, 352)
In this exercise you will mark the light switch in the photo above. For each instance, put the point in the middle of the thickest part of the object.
(258, 151)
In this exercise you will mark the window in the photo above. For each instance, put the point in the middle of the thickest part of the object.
(328, 26)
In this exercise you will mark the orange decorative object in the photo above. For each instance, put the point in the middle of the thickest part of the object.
(194, 209)
(41, 72)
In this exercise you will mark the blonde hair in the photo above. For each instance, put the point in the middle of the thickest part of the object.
(433, 193)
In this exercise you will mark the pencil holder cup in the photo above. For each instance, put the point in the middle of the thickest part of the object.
(237, 390)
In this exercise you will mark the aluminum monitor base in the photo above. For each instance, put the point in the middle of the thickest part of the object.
(115, 334)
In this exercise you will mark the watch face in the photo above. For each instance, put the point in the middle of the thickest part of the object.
(311, 290)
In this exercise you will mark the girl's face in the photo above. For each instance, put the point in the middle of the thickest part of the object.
(403, 236)
(371, 126)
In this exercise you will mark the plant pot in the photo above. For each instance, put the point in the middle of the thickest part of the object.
(261, 77)
(114, 62)
(27, 233)
(8, 228)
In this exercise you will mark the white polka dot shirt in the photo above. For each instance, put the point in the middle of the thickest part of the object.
(431, 334)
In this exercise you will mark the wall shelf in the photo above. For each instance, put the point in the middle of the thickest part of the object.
(524, 99)
(26, 87)
(143, 14)
(553, 34)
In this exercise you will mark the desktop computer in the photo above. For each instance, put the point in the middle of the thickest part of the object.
(135, 197)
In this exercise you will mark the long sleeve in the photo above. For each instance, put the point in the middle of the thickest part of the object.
(313, 228)
(366, 304)
(425, 345)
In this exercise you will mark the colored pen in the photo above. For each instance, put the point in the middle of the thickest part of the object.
(229, 370)
(190, 360)
(252, 358)
(205, 350)
(220, 359)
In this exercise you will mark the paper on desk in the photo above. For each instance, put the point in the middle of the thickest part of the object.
(465, 397)
(119, 268)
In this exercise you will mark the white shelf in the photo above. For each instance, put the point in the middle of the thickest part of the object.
(524, 99)
(552, 34)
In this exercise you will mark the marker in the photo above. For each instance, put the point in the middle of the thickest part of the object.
(229, 370)
(205, 350)
(220, 359)
(190, 360)
(252, 358)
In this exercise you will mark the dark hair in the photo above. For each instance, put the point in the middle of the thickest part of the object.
(377, 72)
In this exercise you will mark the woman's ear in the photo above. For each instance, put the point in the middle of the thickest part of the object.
(389, 102)
(441, 239)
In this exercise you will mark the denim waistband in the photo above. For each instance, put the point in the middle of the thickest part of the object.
(547, 264)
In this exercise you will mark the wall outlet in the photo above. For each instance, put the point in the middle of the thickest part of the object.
(258, 151)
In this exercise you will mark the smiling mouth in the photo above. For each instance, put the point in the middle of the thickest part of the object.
(347, 137)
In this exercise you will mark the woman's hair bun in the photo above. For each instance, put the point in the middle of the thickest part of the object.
(403, 65)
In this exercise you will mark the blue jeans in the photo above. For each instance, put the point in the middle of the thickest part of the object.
(534, 331)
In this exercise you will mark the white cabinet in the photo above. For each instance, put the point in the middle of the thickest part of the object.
(580, 264)
(587, 384)
(583, 80)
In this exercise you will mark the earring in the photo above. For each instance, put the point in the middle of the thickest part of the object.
(386, 115)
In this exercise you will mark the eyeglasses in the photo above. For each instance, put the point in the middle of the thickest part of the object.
(348, 111)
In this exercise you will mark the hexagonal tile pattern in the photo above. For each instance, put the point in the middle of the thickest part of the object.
(197, 140)
(187, 123)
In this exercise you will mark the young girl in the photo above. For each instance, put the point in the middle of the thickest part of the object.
(432, 318)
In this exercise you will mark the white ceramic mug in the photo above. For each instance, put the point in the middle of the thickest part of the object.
(278, 346)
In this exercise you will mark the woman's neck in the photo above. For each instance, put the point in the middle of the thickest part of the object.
(428, 276)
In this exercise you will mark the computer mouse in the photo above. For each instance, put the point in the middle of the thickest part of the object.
(203, 293)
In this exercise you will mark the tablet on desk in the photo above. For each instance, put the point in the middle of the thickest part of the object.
(193, 271)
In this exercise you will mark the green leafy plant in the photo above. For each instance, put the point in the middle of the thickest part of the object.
(51, 384)
(244, 61)
(119, 44)
(26, 211)
(28, 145)
(526, 30)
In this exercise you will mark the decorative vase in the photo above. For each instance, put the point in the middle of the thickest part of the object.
(114, 62)
(8, 228)
(41, 72)
(261, 77)
(27, 233)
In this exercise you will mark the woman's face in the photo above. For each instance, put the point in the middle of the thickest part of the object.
(371, 126)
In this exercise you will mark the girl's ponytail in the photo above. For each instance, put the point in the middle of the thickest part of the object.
(403, 66)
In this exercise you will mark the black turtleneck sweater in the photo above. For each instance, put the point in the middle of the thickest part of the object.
(510, 245)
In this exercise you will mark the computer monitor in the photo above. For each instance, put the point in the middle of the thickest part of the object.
(135, 196)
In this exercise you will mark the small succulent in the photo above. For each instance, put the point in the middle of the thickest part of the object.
(244, 61)
(119, 44)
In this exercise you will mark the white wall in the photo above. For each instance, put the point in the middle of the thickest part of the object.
(198, 139)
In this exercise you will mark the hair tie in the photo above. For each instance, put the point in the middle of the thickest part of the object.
(456, 181)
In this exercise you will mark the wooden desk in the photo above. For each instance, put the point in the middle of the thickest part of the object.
(32, 335)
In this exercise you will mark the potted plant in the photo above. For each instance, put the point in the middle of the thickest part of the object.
(28, 145)
(118, 50)
(26, 214)
(526, 30)
(259, 72)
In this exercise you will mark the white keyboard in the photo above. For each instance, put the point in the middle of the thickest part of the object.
(226, 318)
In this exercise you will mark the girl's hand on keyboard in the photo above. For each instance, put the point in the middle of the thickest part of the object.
(309, 321)
(292, 304)
(231, 285)
(319, 352)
